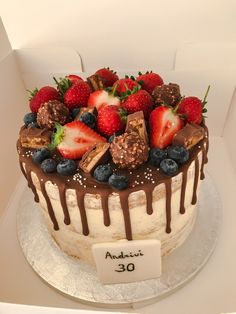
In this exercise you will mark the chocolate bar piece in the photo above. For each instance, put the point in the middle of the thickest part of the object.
(34, 137)
(97, 155)
(95, 82)
(86, 109)
(189, 136)
(136, 123)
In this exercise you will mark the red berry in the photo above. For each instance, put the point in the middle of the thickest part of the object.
(77, 95)
(111, 119)
(41, 96)
(191, 109)
(149, 81)
(164, 124)
(124, 84)
(141, 100)
(74, 78)
(101, 98)
(75, 139)
(107, 76)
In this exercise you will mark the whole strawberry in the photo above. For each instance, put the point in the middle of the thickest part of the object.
(111, 119)
(139, 101)
(107, 76)
(164, 124)
(77, 95)
(74, 78)
(124, 84)
(191, 109)
(39, 97)
(149, 81)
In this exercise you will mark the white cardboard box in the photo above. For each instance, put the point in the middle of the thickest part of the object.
(213, 290)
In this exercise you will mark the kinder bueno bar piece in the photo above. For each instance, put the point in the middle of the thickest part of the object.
(95, 82)
(97, 155)
(86, 109)
(136, 123)
(34, 137)
(189, 136)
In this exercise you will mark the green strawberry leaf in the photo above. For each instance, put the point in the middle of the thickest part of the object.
(32, 93)
(57, 136)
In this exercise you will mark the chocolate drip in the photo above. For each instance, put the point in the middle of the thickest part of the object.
(105, 208)
(196, 176)
(80, 201)
(124, 201)
(168, 205)
(183, 189)
(31, 186)
(204, 160)
(149, 191)
(49, 206)
(62, 194)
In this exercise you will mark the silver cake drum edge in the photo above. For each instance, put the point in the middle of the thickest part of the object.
(73, 278)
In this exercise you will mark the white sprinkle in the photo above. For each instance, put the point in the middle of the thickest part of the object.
(141, 182)
(138, 176)
(85, 186)
(94, 186)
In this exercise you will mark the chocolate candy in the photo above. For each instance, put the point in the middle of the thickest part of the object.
(34, 137)
(189, 136)
(97, 155)
(95, 82)
(136, 123)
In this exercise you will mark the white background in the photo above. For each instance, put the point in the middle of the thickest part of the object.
(124, 34)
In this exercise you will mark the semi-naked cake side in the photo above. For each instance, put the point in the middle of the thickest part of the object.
(98, 196)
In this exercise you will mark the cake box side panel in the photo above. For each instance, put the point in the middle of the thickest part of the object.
(12, 109)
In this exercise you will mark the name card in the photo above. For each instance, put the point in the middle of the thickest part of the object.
(127, 261)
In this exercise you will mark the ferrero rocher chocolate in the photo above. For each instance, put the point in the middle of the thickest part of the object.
(51, 112)
(166, 94)
(129, 150)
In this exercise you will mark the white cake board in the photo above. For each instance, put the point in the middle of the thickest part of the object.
(80, 282)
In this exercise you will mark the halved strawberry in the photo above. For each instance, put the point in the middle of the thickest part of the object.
(101, 98)
(107, 76)
(74, 139)
(164, 124)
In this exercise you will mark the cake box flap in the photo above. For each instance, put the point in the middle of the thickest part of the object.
(5, 46)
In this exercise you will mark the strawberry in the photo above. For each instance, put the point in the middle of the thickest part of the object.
(124, 84)
(107, 76)
(149, 81)
(74, 78)
(101, 98)
(39, 97)
(77, 95)
(111, 119)
(164, 124)
(74, 139)
(140, 100)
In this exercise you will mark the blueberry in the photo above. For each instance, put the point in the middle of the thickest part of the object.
(41, 154)
(169, 167)
(30, 118)
(66, 167)
(89, 119)
(102, 173)
(33, 125)
(118, 182)
(111, 138)
(156, 155)
(49, 165)
(75, 112)
(178, 153)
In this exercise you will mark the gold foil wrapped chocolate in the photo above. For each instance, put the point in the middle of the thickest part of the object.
(129, 150)
(51, 112)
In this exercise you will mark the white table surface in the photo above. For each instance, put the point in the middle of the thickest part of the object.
(211, 291)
